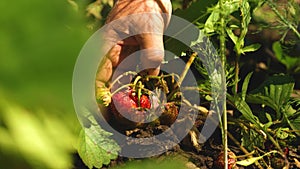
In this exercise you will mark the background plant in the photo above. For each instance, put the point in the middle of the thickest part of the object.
(238, 17)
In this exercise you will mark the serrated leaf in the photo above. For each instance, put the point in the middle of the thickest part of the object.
(210, 23)
(251, 139)
(246, 17)
(95, 147)
(274, 91)
(252, 160)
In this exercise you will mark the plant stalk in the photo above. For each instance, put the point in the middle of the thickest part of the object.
(184, 72)
(236, 73)
(223, 79)
(187, 67)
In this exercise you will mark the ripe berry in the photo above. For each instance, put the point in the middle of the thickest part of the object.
(145, 102)
(144, 99)
(123, 102)
(125, 107)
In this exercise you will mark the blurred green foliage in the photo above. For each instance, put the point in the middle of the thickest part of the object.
(39, 44)
(170, 162)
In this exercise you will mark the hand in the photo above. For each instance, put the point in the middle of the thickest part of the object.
(141, 29)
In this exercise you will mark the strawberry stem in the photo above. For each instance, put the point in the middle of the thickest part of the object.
(139, 92)
(183, 74)
(122, 87)
(186, 69)
(121, 76)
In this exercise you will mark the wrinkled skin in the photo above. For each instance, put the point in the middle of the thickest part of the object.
(141, 30)
(150, 42)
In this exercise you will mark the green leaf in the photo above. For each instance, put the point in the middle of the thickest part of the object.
(251, 48)
(164, 162)
(263, 100)
(245, 85)
(94, 9)
(51, 140)
(267, 125)
(211, 24)
(269, 117)
(289, 61)
(252, 160)
(282, 133)
(295, 124)
(244, 108)
(251, 139)
(246, 17)
(95, 147)
(274, 92)
(232, 36)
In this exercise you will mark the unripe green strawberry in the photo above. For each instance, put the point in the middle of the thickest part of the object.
(103, 96)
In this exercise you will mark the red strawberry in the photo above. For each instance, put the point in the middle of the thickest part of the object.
(145, 102)
(124, 107)
(123, 103)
